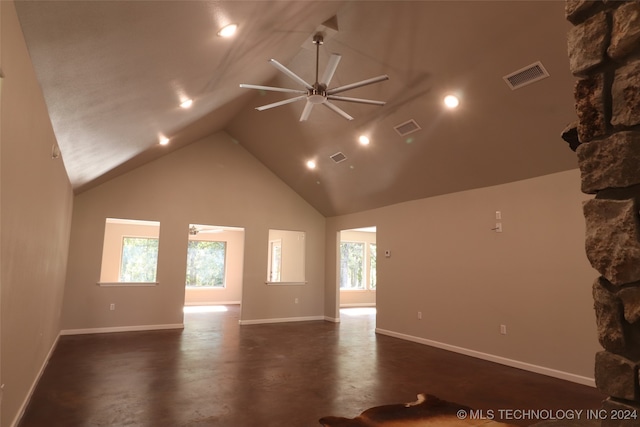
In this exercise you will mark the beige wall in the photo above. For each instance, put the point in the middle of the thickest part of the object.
(467, 280)
(213, 181)
(232, 292)
(365, 297)
(36, 202)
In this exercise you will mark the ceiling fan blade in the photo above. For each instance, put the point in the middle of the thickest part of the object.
(357, 84)
(271, 88)
(306, 112)
(358, 100)
(290, 73)
(279, 103)
(332, 65)
(337, 110)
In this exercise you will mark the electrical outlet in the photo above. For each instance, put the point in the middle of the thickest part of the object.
(503, 329)
(419, 315)
(112, 306)
(296, 300)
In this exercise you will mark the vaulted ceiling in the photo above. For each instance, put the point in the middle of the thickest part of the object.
(113, 74)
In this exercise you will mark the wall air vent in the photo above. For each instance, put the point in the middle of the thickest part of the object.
(527, 75)
(407, 127)
(338, 157)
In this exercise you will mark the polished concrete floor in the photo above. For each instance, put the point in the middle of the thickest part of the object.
(216, 373)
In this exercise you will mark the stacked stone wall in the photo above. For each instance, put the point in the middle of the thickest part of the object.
(604, 54)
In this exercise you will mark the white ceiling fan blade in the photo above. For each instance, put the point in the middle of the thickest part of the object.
(332, 65)
(337, 110)
(290, 73)
(357, 84)
(279, 103)
(307, 111)
(271, 88)
(358, 100)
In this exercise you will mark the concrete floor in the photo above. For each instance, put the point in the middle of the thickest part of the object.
(216, 373)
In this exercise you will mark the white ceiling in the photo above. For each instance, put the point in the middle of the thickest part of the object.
(114, 72)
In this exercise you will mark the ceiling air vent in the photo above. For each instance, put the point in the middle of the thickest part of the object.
(407, 127)
(338, 157)
(527, 75)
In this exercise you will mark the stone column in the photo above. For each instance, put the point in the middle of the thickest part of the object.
(604, 54)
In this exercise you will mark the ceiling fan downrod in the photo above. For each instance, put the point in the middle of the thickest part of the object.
(318, 94)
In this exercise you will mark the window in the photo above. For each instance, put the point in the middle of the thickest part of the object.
(206, 263)
(275, 260)
(354, 259)
(139, 259)
(130, 252)
(372, 266)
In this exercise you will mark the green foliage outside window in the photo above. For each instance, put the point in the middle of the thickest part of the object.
(205, 263)
(351, 265)
(353, 261)
(139, 259)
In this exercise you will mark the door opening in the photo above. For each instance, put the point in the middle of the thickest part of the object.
(357, 269)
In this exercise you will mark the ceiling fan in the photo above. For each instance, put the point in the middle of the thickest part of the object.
(193, 230)
(318, 93)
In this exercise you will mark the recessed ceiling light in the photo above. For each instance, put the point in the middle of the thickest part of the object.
(311, 164)
(364, 140)
(228, 30)
(186, 103)
(451, 101)
(164, 140)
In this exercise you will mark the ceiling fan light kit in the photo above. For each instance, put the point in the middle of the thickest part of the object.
(318, 93)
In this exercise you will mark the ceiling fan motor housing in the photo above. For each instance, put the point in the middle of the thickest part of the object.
(318, 94)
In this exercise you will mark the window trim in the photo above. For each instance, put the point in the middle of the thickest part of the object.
(286, 283)
(127, 284)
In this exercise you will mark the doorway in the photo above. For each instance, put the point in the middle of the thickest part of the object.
(357, 277)
(214, 265)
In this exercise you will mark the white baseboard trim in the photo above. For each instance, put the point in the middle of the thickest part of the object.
(332, 319)
(282, 320)
(199, 303)
(27, 398)
(493, 358)
(363, 304)
(108, 330)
